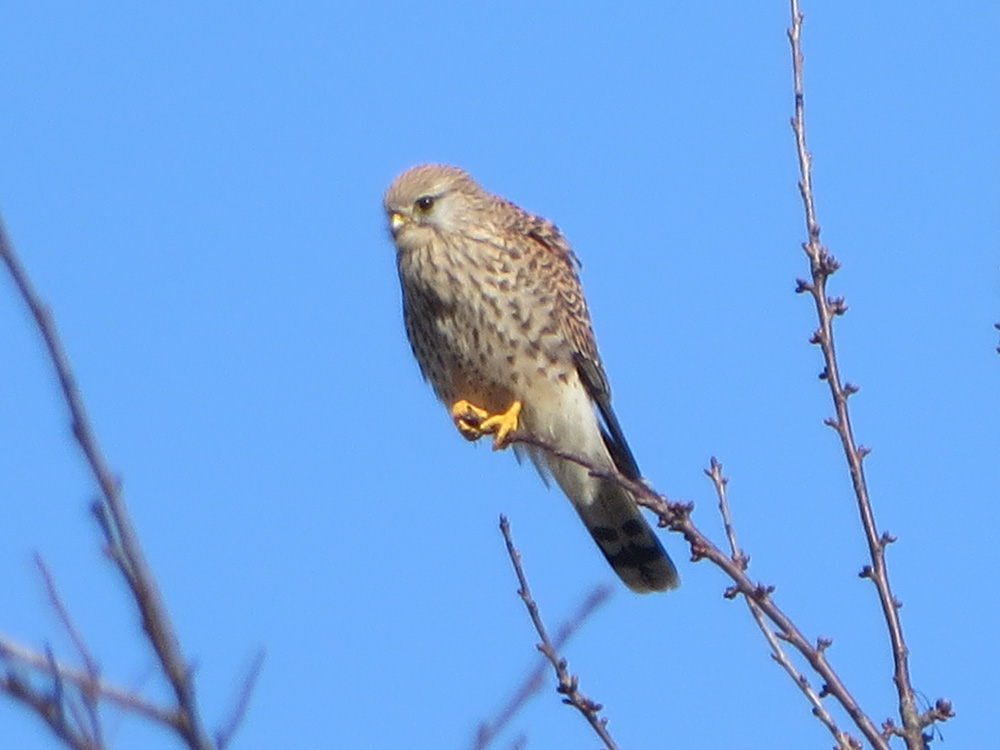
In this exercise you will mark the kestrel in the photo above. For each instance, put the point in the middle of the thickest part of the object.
(497, 321)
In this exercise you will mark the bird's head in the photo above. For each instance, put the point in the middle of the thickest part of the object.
(427, 200)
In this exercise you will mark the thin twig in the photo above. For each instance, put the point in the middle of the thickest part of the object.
(122, 540)
(822, 266)
(568, 683)
(47, 707)
(13, 652)
(843, 739)
(532, 684)
(86, 689)
(225, 735)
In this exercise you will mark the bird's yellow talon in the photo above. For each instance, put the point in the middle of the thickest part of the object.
(468, 419)
(502, 425)
(474, 422)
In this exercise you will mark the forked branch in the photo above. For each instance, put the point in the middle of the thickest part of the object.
(112, 513)
(677, 517)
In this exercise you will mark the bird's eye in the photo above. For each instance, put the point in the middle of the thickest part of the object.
(425, 202)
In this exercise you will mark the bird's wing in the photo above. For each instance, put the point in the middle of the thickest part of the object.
(575, 324)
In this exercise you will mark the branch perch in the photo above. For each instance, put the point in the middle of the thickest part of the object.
(677, 517)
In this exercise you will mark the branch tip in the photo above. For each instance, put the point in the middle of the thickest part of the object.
(837, 305)
(941, 711)
(828, 263)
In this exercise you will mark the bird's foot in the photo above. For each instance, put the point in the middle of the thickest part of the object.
(474, 422)
(468, 419)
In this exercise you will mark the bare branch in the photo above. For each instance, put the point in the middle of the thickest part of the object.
(225, 735)
(532, 684)
(48, 707)
(843, 739)
(568, 683)
(677, 517)
(822, 266)
(13, 653)
(86, 689)
(116, 521)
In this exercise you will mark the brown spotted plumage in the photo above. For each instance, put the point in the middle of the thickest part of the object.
(497, 320)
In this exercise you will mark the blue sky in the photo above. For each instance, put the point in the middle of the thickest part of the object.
(196, 191)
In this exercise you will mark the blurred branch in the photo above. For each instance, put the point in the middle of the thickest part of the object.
(225, 735)
(844, 740)
(822, 266)
(122, 542)
(87, 692)
(568, 683)
(14, 654)
(532, 684)
(50, 707)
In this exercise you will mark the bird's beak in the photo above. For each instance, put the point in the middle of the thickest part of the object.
(396, 222)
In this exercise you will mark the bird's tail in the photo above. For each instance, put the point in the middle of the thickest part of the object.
(627, 541)
(608, 510)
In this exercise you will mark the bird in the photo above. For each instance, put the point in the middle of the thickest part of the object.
(496, 318)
